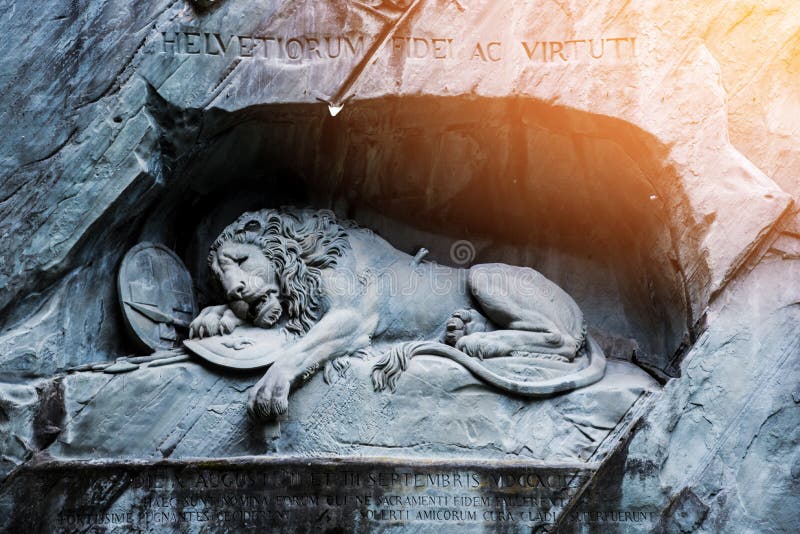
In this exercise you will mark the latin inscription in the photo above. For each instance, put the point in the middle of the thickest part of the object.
(581, 50)
(333, 47)
(315, 496)
(269, 47)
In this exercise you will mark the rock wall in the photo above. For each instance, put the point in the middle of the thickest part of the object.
(643, 155)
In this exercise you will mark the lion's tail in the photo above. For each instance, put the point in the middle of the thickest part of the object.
(389, 368)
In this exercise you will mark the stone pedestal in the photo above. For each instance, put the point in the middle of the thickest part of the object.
(172, 447)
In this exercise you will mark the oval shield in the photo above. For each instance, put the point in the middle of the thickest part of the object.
(156, 295)
(247, 347)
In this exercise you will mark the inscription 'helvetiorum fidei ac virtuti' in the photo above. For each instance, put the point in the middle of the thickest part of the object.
(352, 45)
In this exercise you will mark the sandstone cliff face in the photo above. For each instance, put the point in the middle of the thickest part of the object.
(643, 155)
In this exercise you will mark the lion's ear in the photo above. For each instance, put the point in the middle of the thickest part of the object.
(252, 226)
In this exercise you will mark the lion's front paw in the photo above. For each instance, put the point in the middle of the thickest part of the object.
(269, 398)
(214, 321)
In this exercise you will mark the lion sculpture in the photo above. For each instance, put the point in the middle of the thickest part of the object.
(337, 290)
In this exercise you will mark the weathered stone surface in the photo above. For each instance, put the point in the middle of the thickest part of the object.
(438, 410)
(18, 405)
(654, 187)
(719, 450)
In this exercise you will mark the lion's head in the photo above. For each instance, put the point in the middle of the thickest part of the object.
(269, 263)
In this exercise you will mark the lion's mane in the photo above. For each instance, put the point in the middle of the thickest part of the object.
(300, 243)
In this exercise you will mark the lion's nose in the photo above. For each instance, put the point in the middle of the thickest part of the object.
(236, 292)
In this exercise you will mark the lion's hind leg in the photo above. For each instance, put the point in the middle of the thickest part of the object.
(502, 343)
(533, 315)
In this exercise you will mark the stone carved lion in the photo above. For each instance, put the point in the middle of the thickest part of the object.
(338, 291)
